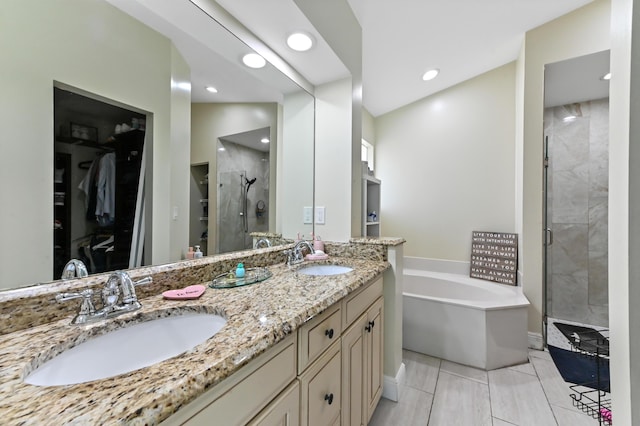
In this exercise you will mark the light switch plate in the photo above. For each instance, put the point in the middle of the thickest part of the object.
(307, 215)
(320, 215)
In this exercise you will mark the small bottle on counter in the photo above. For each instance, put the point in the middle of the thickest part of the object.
(197, 254)
(240, 271)
(190, 253)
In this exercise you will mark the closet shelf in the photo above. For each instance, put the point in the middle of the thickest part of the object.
(83, 142)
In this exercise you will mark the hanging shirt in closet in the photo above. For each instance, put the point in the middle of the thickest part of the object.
(101, 178)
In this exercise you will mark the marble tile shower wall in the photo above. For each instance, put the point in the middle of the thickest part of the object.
(233, 161)
(577, 211)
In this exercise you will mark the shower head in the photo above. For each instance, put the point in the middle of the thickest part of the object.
(250, 181)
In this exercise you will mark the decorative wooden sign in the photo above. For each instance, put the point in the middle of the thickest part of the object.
(494, 257)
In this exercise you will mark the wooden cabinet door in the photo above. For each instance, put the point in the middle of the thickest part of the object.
(374, 356)
(321, 397)
(353, 379)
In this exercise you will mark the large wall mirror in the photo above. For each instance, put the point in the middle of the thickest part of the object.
(138, 56)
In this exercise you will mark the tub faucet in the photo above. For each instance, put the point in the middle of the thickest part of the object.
(295, 255)
(74, 269)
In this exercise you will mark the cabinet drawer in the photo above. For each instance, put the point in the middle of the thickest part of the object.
(317, 335)
(355, 304)
(321, 390)
(282, 411)
(244, 398)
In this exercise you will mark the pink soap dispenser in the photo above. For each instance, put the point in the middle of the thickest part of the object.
(318, 244)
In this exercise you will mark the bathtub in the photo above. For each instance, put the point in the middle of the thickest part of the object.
(447, 314)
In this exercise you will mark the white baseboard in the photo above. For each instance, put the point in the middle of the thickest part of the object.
(391, 385)
(535, 341)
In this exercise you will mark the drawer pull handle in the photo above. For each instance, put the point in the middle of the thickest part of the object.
(329, 398)
(329, 333)
(370, 326)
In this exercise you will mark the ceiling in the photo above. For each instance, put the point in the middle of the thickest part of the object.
(401, 40)
(576, 80)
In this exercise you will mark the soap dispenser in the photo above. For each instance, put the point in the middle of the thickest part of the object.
(240, 271)
(190, 253)
(197, 254)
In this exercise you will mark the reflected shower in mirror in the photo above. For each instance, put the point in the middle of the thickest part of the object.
(243, 188)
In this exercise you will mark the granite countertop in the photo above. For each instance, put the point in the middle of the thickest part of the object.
(150, 395)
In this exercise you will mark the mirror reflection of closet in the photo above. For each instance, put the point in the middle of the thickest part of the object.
(99, 173)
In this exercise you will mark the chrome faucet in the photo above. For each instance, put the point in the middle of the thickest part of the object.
(74, 269)
(262, 242)
(295, 255)
(118, 297)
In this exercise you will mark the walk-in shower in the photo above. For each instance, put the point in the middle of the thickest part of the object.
(576, 146)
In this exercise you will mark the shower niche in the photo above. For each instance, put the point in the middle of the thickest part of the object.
(199, 217)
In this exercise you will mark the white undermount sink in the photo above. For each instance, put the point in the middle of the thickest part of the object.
(324, 270)
(127, 349)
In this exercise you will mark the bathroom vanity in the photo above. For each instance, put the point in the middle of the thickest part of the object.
(305, 348)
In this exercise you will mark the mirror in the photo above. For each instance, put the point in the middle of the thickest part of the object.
(96, 47)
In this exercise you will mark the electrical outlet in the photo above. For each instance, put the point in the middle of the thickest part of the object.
(320, 215)
(307, 215)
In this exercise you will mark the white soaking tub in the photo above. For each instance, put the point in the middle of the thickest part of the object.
(462, 319)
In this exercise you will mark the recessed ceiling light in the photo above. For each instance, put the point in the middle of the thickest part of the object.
(211, 89)
(300, 41)
(221, 148)
(431, 74)
(569, 118)
(607, 76)
(253, 60)
(183, 85)
(264, 140)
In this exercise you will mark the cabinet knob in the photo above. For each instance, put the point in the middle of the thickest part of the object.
(329, 398)
(329, 333)
(369, 327)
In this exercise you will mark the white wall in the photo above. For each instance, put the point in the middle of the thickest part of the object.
(581, 32)
(447, 166)
(624, 206)
(333, 155)
(93, 46)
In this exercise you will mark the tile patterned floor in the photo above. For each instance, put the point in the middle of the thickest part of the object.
(439, 392)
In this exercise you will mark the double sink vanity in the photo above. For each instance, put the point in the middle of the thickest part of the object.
(305, 346)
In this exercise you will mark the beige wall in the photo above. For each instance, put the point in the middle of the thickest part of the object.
(295, 165)
(333, 158)
(447, 166)
(179, 157)
(74, 42)
(581, 32)
(368, 127)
